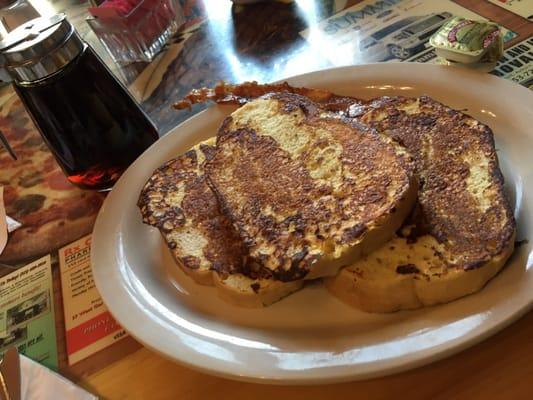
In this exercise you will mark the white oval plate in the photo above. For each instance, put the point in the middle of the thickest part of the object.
(310, 337)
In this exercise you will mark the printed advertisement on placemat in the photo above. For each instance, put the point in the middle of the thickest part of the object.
(386, 30)
(517, 63)
(89, 325)
(27, 312)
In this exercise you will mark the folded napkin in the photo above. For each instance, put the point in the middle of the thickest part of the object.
(7, 224)
(3, 221)
(40, 383)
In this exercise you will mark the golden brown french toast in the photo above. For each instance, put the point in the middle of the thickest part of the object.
(462, 231)
(308, 194)
(177, 201)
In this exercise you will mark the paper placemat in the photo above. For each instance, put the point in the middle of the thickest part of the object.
(523, 8)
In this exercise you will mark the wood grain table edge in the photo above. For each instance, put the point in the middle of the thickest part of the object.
(492, 369)
(504, 17)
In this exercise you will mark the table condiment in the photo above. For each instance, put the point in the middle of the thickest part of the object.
(94, 128)
(467, 41)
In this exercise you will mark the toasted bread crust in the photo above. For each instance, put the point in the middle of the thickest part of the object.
(462, 230)
(177, 200)
(470, 214)
(386, 281)
(299, 185)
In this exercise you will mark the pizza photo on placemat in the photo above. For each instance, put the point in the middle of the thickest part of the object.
(37, 194)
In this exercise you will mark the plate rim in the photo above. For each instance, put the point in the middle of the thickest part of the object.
(452, 347)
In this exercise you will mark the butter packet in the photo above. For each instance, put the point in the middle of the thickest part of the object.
(486, 64)
(479, 66)
(467, 41)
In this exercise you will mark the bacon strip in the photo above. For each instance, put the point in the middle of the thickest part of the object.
(225, 93)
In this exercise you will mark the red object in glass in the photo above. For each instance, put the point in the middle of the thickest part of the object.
(138, 21)
(95, 176)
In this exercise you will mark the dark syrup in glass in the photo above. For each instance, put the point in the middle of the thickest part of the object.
(94, 128)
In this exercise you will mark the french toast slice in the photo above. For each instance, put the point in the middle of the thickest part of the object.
(177, 201)
(463, 229)
(306, 192)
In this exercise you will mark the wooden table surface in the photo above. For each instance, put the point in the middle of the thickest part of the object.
(498, 368)
(262, 42)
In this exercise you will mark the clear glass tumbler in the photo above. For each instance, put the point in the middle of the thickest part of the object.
(141, 34)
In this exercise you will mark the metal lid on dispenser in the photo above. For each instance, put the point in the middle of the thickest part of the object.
(39, 48)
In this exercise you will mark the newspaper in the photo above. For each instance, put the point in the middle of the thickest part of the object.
(386, 30)
(517, 63)
(89, 325)
(27, 312)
